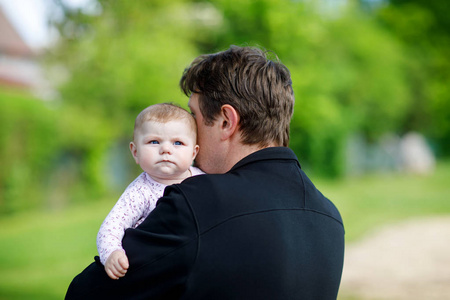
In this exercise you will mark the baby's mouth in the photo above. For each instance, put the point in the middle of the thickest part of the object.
(166, 161)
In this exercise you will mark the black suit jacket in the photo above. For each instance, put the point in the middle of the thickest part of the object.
(260, 231)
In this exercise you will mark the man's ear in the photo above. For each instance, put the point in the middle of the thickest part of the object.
(230, 121)
(133, 150)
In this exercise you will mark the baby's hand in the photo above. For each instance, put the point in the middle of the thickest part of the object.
(116, 265)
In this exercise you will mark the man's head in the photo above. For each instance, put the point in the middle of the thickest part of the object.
(259, 89)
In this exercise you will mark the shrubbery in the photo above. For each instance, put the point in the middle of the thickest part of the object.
(356, 70)
(50, 154)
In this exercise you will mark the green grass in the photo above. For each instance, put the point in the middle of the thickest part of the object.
(367, 202)
(41, 252)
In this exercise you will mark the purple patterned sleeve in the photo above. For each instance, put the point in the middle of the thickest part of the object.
(135, 204)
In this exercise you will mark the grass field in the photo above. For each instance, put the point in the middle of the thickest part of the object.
(41, 252)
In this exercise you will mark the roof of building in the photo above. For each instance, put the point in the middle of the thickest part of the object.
(11, 43)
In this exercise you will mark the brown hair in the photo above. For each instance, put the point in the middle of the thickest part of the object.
(165, 112)
(260, 89)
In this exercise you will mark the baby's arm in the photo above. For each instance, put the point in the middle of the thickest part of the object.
(109, 237)
(129, 209)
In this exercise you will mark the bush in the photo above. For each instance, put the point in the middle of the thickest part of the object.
(50, 154)
(28, 140)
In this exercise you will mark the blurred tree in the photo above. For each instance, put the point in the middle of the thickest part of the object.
(349, 73)
(125, 57)
(28, 139)
(424, 27)
(348, 78)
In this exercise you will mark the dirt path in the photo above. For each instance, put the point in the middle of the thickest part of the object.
(409, 260)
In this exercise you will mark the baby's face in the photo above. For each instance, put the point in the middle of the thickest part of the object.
(165, 150)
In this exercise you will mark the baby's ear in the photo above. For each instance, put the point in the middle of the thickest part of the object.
(196, 149)
(133, 150)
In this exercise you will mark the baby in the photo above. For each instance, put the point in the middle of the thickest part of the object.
(164, 145)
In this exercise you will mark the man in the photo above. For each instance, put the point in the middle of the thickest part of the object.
(256, 227)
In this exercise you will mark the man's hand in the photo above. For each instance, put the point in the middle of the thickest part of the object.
(116, 265)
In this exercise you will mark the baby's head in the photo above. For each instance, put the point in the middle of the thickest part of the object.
(163, 113)
(165, 142)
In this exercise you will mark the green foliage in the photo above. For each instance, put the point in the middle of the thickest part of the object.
(28, 138)
(118, 63)
(424, 28)
(127, 58)
(347, 78)
(50, 154)
(343, 83)
(348, 72)
(353, 72)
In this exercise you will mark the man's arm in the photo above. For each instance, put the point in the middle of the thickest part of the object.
(161, 252)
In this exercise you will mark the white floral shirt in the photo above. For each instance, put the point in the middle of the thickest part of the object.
(135, 204)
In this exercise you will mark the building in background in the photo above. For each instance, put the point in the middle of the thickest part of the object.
(19, 66)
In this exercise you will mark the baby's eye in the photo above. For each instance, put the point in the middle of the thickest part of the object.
(153, 142)
(178, 143)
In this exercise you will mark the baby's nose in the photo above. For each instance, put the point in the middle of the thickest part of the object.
(166, 148)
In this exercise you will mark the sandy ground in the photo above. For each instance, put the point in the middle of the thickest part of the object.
(408, 260)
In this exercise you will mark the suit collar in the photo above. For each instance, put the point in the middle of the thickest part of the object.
(271, 153)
